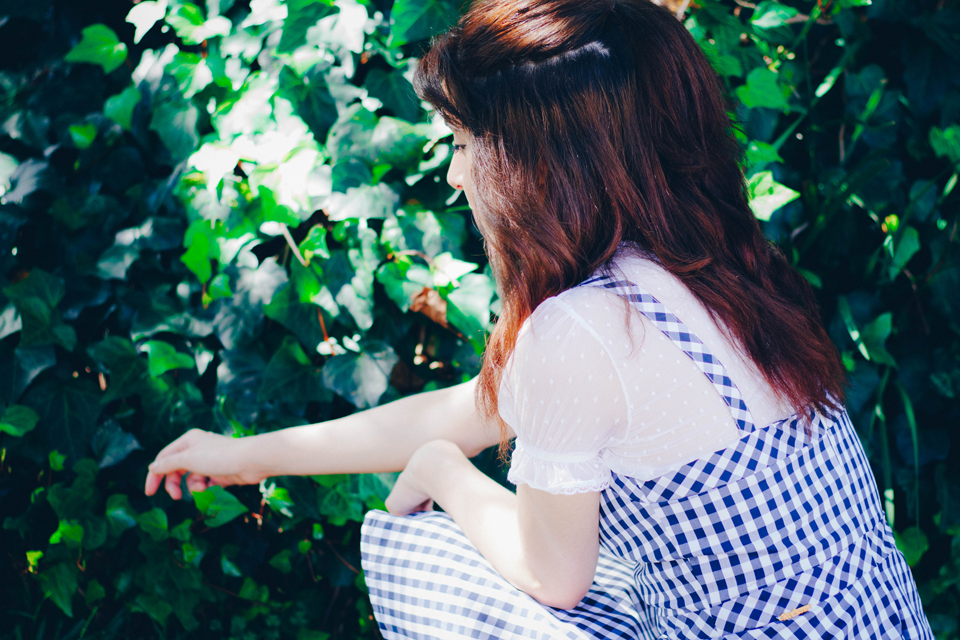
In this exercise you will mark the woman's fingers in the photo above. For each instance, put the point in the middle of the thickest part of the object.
(172, 485)
(154, 480)
(197, 483)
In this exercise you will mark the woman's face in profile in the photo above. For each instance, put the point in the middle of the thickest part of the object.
(461, 165)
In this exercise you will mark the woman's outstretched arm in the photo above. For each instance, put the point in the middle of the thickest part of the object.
(376, 440)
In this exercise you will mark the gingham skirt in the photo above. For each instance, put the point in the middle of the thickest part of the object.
(779, 536)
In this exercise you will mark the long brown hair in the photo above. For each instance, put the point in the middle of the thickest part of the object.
(597, 122)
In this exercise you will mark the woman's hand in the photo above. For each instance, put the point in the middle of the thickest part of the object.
(208, 458)
(406, 497)
(427, 465)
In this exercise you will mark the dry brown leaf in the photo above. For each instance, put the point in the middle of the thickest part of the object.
(429, 303)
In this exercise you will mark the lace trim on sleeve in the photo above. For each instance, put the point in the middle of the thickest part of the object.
(558, 474)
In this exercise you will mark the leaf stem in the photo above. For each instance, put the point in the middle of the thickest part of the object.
(293, 245)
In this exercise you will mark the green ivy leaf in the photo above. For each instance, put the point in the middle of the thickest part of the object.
(197, 257)
(875, 336)
(759, 154)
(82, 135)
(912, 543)
(277, 498)
(118, 357)
(395, 91)
(299, 317)
(301, 15)
(315, 244)
(363, 377)
(768, 195)
(99, 45)
(115, 261)
(119, 108)
(769, 15)
(18, 420)
(154, 523)
(362, 203)
(111, 444)
(192, 73)
(250, 591)
(164, 357)
(36, 298)
(468, 308)
(68, 532)
(907, 247)
(187, 20)
(219, 287)
(762, 90)
(56, 460)
(281, 561)
(28, 363)
(120, 515)
(340, 505)
(946, 143)
(68, 412)
(144, 15)
(218, 506)
(412, 20)
(94, 592)
(59, 583)
(176, 124)
(154, 606)
(291, 376)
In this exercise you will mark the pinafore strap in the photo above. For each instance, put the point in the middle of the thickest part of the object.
(673, 328)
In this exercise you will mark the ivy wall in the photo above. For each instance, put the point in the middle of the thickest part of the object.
(232, 215)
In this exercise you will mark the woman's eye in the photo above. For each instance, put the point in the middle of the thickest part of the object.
(459, 147)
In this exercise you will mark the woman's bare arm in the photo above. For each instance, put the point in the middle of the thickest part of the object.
(376, 440)
(545, 545)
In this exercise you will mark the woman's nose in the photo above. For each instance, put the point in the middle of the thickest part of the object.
(455, 173)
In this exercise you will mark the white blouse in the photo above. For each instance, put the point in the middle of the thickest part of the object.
(593, 387)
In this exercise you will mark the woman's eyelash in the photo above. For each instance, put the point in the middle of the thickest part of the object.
(459, 147)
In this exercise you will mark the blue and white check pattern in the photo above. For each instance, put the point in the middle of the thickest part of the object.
(789, 516)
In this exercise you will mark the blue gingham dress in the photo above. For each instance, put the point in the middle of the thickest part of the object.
(729, 546)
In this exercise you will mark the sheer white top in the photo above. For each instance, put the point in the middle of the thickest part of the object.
(593, 387)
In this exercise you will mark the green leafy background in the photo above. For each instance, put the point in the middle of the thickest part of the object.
(232, 215)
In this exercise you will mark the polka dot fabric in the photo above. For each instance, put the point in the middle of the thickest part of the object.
(731, 545)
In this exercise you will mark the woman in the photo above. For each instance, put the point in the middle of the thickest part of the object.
(684, 466)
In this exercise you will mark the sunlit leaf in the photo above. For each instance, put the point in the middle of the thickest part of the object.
(187, 20)
(762, 90)
(83, 135)
(18, 420)
(164, 357)
(119, 108)
(361, 378)
(770, 14)
(99, 45)
(144, 15)
(767, 195)
(218, 506)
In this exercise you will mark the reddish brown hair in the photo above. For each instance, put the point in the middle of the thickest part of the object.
(597, 122)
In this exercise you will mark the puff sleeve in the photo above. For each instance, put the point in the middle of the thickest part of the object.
(563, 395)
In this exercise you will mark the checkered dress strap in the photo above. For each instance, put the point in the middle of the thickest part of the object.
(673, 328)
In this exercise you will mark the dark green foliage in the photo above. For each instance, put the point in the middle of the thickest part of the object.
(228, 215)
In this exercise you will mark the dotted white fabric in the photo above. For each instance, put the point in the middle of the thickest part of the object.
(594, 387)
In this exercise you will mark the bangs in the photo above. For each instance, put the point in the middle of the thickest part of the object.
(436, 81)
